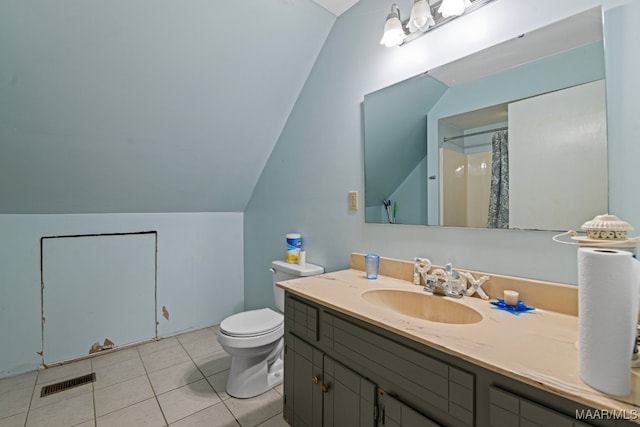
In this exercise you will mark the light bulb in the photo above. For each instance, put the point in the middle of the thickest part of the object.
(453, 7)
(421, 17)
(393, 32)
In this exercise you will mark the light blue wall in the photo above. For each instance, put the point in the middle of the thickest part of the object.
(394, 121)
(199, 276)
(411, 196)
(139, 106)
(128, 106)
(319, 155)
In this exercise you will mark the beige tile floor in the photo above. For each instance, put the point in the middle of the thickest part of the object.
(177, 381)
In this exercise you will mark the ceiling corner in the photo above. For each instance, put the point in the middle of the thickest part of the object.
(337, 7)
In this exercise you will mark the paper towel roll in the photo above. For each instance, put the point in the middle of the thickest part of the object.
(608, 291)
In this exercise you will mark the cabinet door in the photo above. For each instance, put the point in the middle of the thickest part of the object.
(445, 388)
(302, 384)
(349, 399)
(394, 413)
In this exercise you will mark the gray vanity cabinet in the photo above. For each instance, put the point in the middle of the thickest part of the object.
(344, 372)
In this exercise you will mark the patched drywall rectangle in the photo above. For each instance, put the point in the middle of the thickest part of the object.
(97, 286)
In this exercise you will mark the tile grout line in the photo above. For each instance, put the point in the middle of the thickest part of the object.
(111, 385)
(9, 391)
(155, 395)
(211, 385)
(215, 331)
(128, 379)
(93, 397)
(35, 387)
(140, 358)
(151, 384)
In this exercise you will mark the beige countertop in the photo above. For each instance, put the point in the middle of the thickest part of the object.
(537, 347)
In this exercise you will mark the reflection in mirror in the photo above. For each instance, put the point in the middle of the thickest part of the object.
(395, 153)
(540, 97)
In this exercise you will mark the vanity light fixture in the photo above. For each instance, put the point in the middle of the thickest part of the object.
(398, 32)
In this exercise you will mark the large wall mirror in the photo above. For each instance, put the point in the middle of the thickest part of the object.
(511, 137)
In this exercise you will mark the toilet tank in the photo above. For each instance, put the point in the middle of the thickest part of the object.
(283, 270)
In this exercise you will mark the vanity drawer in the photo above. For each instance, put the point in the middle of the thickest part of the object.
(461, 394)
(508, 410)
(397, 414)
(303, 318)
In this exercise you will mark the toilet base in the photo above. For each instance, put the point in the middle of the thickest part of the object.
(249, 377)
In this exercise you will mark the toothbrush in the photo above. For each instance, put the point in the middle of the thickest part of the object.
(387, 207)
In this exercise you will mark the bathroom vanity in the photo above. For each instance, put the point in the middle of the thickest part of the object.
(357, 355)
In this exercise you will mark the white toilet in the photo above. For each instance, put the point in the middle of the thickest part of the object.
(254, 338)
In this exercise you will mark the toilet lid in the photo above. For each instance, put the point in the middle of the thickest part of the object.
(252, 323)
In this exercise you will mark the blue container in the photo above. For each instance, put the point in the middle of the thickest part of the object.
(294, 244)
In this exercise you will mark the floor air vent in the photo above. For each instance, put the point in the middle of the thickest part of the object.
(67, 384)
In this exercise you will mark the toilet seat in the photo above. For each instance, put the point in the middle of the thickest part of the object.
(252, 323)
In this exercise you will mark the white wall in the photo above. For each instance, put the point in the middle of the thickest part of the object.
(465, 200)
(571, 184)
(199, 278)
(454, 180)
(478, 188)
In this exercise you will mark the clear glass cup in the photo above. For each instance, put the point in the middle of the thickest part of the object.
(371, 265)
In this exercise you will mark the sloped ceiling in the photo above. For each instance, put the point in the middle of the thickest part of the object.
(337, 7)
(140, 106)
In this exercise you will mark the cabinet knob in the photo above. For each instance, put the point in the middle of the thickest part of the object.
(314, 379)
(325, 388)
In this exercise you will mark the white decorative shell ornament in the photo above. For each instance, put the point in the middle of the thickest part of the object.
(607, 227)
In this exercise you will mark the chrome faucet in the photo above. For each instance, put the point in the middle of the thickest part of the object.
(435, 286)
(445, 282)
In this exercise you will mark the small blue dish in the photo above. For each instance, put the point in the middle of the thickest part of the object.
(520, 307)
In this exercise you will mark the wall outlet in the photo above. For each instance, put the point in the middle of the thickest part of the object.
(353, 200)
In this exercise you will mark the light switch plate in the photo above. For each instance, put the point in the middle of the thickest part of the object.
(353, 200)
